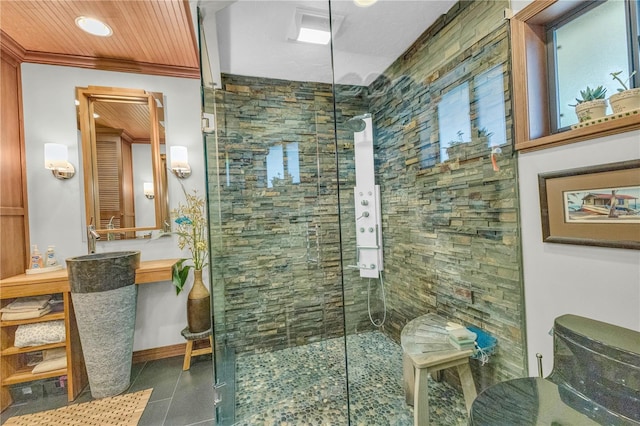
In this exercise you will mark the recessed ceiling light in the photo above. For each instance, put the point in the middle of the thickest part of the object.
(93, 26)
(364, 3)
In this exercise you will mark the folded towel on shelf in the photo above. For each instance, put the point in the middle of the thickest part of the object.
(41, 333)
(54, 353)
(50, 365)
(30, 303)
(21, 315)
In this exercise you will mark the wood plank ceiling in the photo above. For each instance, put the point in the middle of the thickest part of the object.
(150, 37)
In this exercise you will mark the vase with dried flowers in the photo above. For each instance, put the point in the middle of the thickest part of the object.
(191, 229)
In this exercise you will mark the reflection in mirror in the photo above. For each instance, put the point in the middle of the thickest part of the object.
(122, 132)
(482, 99)
(454, 120)
(164, 195)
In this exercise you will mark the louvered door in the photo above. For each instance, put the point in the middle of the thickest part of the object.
(115, 180)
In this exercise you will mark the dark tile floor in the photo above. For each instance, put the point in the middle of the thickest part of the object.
(179, 398)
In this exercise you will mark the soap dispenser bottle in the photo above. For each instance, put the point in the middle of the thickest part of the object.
(37, 261)
(51, 256)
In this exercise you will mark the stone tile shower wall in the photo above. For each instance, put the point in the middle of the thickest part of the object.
(451, 228)
(277, 246)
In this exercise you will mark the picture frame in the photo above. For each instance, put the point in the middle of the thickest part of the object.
(576, 205)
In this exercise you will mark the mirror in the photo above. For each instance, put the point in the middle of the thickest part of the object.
(125, 177)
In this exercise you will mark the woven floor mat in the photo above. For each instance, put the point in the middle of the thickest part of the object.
(121, 410)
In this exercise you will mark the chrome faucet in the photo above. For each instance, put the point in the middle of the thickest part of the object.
(110, 235)
(92, 237)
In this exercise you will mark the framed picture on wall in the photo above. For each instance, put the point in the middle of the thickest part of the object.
(594, 206)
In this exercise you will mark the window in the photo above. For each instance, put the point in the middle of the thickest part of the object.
(583, 48)
(531, 98)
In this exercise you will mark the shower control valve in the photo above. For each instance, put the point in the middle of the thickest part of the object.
(364, 202)
(371, 229)
(373, 266)
(365, 214)
(361, 229)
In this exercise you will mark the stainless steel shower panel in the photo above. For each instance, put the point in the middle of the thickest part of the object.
(369, 239)
(367, 202)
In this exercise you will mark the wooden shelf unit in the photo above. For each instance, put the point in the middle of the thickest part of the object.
(49, 317)
(25, 375)
(12, 350)
(12, 368)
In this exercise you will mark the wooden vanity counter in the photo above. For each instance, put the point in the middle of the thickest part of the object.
(13, 368)
(153, 271)
(150, 271)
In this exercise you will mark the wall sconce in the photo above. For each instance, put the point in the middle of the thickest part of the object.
(148, 190)
(56, 159)
(180, 162)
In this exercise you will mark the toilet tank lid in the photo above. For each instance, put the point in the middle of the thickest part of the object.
(607, 334)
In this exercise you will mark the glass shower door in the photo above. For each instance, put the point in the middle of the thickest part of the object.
(223, 355)
(274, 221)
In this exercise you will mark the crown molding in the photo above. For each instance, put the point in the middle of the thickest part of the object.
(111, 64)
(11, 48)
(16, 52)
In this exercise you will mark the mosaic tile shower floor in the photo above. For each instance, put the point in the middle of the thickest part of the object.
(306, 386)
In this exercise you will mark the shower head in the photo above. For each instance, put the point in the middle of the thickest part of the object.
(357, 123)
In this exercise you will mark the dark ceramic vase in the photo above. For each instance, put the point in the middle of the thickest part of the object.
(198, 305)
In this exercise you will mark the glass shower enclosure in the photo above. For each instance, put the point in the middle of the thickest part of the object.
(303, 333)
(275, 179)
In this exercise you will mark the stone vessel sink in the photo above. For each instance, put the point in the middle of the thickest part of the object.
(102, 271)
(104, 298)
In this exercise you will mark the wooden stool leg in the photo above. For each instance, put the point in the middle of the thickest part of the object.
(408, 378)
(468, 385)
(187, 356)
(421, 398)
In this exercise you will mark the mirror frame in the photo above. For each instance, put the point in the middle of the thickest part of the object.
(86, 96)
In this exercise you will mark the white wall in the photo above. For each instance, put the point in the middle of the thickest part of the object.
(595, 282)
(56, 208)
(517, 5)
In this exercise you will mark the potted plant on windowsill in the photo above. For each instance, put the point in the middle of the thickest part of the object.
(592, 104)
(626, 99)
